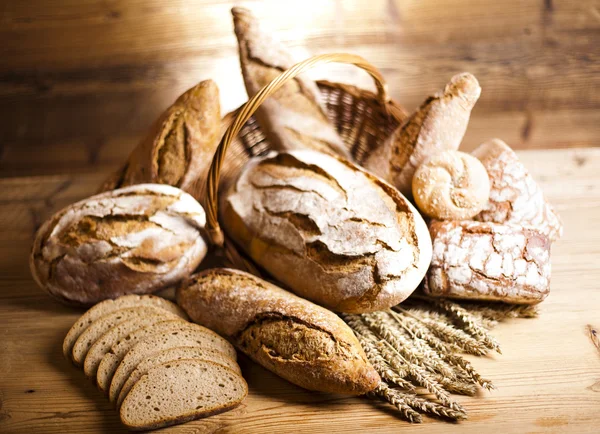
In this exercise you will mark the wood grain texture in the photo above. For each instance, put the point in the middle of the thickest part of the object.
(548, 377)
(82, 81)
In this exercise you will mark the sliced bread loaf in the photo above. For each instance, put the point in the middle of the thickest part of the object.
(180, 391)
(103, 345)
(108, 306)
(110, 361)
(170, 355)
(186, 336)
(85, 341)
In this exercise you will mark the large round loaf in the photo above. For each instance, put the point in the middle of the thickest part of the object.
(137, 240)
(304, 343)
(328, 230)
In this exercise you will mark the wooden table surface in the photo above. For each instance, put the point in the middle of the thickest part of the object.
(548, 377)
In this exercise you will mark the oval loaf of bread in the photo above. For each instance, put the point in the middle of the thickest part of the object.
(137, 239)
(298, 340)
(328, 230)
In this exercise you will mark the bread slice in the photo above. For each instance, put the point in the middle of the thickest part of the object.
(104, 343)
(108, 321)
(171, 355)
(186, 336)
(108, 306)
(177, 392)
(110, 361)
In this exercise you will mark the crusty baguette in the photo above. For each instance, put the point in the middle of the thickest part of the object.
(108, 306)
(188, 334)
(293, 117)
(438, 124)
(180, 391)
(330, 231)
(179, 148)
(103, 324)
(298, 340)
(172, 354)
(515, 197)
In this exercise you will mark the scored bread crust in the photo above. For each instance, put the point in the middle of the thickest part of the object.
(328, 230)
(515, 197)
(134, 240)
(437, 125)
(178, 149)
(293, 117)
(103, 324)
(110, 305)
(156, 380)
(304, 343)
(172, 354)
(154, 343)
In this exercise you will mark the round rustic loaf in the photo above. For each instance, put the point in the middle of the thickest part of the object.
(330, 231)
(137, 239)
(451, 185)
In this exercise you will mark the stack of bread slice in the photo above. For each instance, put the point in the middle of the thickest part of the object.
(154, 365)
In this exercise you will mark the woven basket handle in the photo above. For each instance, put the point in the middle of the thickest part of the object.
(247, 110)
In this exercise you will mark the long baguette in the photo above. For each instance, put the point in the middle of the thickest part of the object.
(296, 339)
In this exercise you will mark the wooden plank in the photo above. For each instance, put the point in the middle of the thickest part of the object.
(548, 377)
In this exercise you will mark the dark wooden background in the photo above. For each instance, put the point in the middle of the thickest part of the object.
(81, 80)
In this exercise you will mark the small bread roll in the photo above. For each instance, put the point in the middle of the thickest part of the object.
(451, 185)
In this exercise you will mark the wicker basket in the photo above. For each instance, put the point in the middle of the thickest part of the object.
(363, 119)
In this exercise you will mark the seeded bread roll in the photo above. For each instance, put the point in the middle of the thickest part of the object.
(298, 340)
(170, 355)
(108, 306)
(328, 230)
(179, 148)
(451, 185)
(134, 240)
(293, 117)
(439, 124)
(180, 391)
(515, 197)
(488, 261)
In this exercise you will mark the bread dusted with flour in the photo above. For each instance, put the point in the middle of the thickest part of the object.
(439, 124)
(298, 340)
(293, 117)
(515, 197)
(488, 261)
(328, 230)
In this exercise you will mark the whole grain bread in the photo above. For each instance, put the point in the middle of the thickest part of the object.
(186, 336)
(111, 337)
(110, 362)
(108, 306)
(180, 391)
(172, 354)
(293, 117)
(328, 230)
(298, 340)
(135, 240)
(103, 324)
